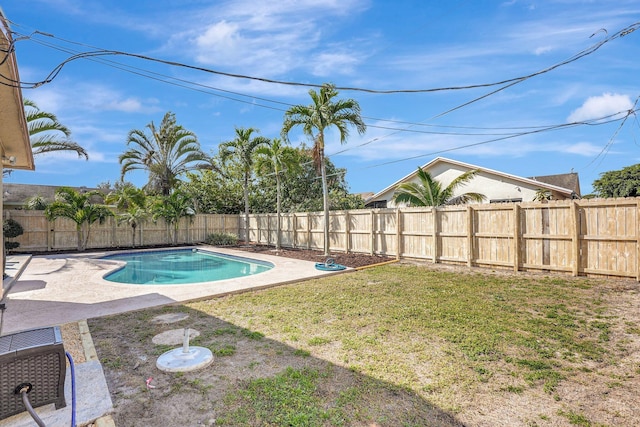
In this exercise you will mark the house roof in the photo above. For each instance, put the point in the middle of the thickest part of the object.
(18, 194)
(565, 180)
(535, 182)
(15, 147)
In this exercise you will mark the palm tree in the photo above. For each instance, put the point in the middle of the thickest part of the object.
(166, 153)
(131, 205)
(429, 192)
(316, 118)
(242, 149)
(45, 132)
(79, 208)
(172, 208)
(126, 195)
(542, 195)
(134, 216)
(276, 157)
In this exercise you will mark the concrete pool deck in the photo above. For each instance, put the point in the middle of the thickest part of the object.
(52, 290)
(58, 289)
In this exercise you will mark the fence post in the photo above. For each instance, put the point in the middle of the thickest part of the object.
(294, 222)
(434, 213)
(347, 232)
(575, 238)
(372, 236)
(469, 236)
(49, 233)
(398, 233)
(517, 254)
(637, 240)
(308, 231)
(114, 223)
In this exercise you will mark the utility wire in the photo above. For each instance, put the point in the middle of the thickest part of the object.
(161, 77)
(188, 85)
(504, 84)
(508, 82)
(594, 122)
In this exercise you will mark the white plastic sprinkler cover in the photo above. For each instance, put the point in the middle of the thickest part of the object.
(185, 358)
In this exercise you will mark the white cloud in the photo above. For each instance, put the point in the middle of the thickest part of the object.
(600, 106)
(269, 39)
(89, 96)
(542, 50)
(219, 36)
(586, 149)
(327, 64)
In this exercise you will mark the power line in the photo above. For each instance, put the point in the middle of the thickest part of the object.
(594, 122)
(98, 54)
(504, 83)
(187, 84)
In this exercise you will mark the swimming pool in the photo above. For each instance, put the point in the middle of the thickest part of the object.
(181, 266)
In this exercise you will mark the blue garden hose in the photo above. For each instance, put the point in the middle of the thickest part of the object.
(73, 389)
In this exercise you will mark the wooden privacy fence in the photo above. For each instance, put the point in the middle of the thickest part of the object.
(41, 235)
(582, 237)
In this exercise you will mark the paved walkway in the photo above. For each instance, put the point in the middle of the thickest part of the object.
(58, 289)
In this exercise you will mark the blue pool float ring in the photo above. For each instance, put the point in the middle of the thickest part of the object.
(329, 265)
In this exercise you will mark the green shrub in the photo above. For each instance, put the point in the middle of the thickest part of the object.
(36, 203)
(11, 228)
(221, 239)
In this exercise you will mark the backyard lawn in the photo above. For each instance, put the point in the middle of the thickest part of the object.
(393, 345)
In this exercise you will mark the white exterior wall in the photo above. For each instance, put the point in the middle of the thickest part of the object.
(492, 186)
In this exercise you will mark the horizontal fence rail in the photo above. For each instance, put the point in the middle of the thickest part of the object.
(579, 237)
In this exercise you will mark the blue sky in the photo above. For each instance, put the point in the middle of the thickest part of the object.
(369, 44)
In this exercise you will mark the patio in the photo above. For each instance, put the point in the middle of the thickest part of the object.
(51, 290)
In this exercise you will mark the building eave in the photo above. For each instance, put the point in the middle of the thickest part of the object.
(430, 164)
(15, 146)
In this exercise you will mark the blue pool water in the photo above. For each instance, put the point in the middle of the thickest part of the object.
(174, 267)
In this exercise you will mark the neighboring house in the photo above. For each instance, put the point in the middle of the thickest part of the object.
(15, 196)
(496, 186)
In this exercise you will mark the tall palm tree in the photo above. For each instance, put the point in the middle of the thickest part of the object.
(276, 157)
(429, 192)
(47, 134)
(242, 150)
(165, 153)
(315, 119)
(79, 208)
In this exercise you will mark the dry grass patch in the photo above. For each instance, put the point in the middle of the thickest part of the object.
(394, 345)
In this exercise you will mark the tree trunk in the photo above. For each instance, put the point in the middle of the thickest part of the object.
(278, 210)
(175, 232)
(246, 208)
(325, 199)
(79, 236)
(133, 236)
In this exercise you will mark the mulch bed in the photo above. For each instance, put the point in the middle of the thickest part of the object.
(353, 260)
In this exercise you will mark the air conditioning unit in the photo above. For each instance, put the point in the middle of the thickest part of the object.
(33, 359)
